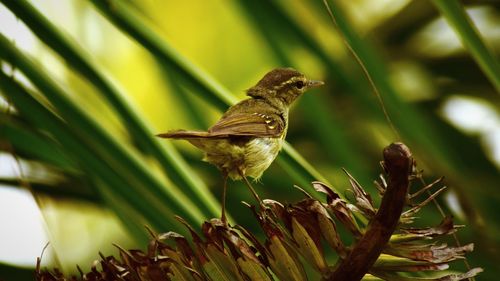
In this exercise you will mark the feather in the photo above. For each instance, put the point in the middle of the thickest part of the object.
(249, 124)
(239, 124)
(183, 134)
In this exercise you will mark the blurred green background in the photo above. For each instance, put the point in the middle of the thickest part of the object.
(86, 84)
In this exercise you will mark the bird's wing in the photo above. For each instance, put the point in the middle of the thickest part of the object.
(248, 124)
(238, 124)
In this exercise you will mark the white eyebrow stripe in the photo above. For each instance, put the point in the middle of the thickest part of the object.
(289, 81)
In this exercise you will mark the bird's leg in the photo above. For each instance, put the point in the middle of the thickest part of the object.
(251, 188)
(223, 215)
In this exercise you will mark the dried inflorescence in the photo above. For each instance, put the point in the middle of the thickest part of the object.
(300, 236)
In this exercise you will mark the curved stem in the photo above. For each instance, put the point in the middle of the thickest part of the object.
(398, 161)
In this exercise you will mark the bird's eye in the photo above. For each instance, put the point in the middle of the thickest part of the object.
(299, 84)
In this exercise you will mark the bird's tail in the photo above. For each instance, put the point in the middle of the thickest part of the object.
(183, 134)
(200, 139)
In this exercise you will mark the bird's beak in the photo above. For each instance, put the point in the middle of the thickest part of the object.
(314, 83)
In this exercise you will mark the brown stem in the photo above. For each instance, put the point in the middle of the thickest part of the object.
(398, 161)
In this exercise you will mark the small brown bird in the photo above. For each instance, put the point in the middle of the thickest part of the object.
(248, 137)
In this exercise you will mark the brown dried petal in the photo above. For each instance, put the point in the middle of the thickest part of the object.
(363, 200)
(444, 228)
(457, 277)
(328, 229)
(430, 253)
(212, 236)
(183, 249)
(239, 247)
(323, 188)
(260, 248)
(343, 213)
(443, 253)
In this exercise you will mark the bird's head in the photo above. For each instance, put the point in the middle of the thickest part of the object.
(282, 86)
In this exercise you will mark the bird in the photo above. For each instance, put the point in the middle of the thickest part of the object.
(249, 135)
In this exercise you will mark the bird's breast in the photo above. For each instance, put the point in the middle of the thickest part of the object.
(259, 154)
